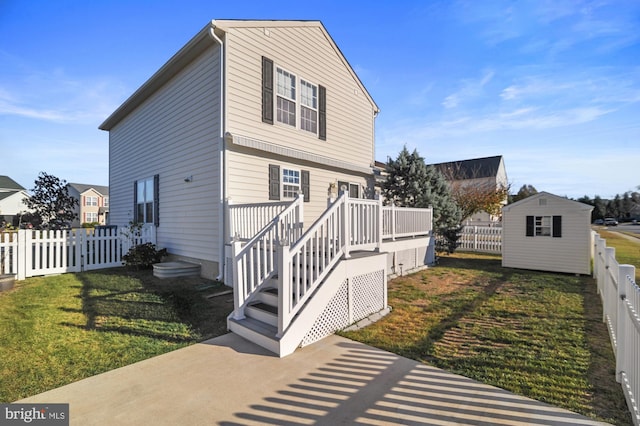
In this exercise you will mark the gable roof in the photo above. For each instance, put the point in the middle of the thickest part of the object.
(475, 168)
(578, 205)
(7, 183)
(198, 44)
(81, 187)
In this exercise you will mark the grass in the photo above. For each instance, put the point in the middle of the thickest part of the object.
(533, 333)
(627, 251)
(59, 329)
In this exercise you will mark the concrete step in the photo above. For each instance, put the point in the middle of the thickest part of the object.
(255, 331)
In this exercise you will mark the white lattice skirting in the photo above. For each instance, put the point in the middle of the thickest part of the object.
(357, 298)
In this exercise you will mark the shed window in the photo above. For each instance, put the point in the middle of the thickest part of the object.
(544, 226)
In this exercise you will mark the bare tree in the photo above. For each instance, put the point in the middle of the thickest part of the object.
(474, 193)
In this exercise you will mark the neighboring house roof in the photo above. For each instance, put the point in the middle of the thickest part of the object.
(7, 183)
(81, 188)
(576, 204)
(476, 168)
(197, 45)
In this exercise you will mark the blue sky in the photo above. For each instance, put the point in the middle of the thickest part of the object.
(553, 86)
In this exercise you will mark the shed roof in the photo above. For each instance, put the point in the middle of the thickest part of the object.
(201, 41)
(578, 205)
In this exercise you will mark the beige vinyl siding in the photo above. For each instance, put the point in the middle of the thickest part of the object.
(175, 133)
(248, 178)
(305, 52)
(570, 253)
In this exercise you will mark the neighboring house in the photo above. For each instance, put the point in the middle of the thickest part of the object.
(249, 133)
(246, 111)
(480, 172)
(93, 203)
(12, 195)
(548, 233)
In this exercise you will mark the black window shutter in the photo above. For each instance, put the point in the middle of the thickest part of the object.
(557, 226)
(274, 182)
(156, 205)
(267, 90)
(322, 113)
(529, 226)
(305, 185)
(135, 201)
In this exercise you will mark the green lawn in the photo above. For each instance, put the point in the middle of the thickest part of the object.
(627, 251)
(536, 334)
(59, 329)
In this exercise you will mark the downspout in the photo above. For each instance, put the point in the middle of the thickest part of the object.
(223, 166)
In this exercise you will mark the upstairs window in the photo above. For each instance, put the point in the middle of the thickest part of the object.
(90, 201)
(286, 97)
(293, 99)
(308, 107)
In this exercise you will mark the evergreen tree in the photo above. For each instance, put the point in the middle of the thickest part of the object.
(411, 183)
(51, 201)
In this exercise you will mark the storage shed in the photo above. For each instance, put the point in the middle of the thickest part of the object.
(548, 233)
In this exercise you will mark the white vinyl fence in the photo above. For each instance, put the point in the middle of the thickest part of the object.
(621, 312)
(27, 253)
(486, 239)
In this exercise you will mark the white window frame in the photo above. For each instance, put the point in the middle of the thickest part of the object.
(286, 96)
(300, 102)
(309, 105)
(90, 200)
(542, 226)
(90, 217)
(145, 200)
(289, 194)
(105, 202)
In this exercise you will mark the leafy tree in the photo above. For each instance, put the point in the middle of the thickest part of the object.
(411, 183)
(524, 192)
(475, 195)
(599, 208)
(51, 201)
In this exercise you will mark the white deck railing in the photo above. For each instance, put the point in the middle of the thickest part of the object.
(254, 262)
(27, 253)
(246, 220)
(620, 296)
(398, 222)
(302, 261)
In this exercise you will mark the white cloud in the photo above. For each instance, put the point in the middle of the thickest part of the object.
(469, 90)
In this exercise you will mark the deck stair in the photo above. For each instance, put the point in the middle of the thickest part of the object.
(292, 288)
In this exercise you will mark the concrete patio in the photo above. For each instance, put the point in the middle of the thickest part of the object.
(230, 381)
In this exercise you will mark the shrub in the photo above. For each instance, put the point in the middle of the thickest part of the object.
(143, 256)
(90, 224)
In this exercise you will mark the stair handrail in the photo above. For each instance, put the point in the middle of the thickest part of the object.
(303, 265)
(248, 275)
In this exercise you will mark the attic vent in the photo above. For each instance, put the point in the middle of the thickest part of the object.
(542, 202)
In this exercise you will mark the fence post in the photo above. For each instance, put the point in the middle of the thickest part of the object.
(625, 272)
(238, 281)
(346, 223)
(21, 254)
(609, 254)
(393, 222)
(380, 223)
(475, 238)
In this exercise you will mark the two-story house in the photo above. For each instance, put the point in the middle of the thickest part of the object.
(249, 152)
(93, 203)
(12, 196)
(245, 112)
